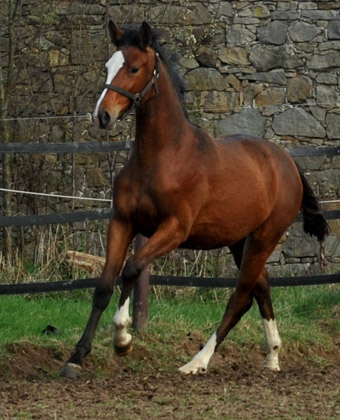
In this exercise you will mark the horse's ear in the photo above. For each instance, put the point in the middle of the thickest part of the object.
(115, 33)
(145, 35)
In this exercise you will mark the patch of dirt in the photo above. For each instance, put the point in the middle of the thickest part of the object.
(141, 387)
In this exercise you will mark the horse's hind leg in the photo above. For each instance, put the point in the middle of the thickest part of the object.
(200, 362)
(262, 295)
(235, 310)
(261, 292)
(251, 256)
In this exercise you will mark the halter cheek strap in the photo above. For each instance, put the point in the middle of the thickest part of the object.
(137, 97)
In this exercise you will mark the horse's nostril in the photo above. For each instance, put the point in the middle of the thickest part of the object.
(104, 119)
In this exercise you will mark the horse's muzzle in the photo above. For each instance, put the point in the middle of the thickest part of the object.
(104, 119)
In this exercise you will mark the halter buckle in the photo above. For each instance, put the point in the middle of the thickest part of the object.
(137, 99)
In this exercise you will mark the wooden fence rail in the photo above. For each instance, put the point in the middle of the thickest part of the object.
(85, 216)
(207, 282)
(116, 146)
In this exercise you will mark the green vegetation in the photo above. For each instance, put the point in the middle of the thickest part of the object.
(305, 315)
(146, 384)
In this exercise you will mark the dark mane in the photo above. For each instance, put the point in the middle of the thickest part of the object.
(130, 38)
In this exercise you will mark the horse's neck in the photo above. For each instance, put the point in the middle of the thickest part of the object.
(161, 122)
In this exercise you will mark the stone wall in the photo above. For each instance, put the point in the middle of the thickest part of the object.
(269, 68)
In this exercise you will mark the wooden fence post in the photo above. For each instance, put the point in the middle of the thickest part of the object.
(141, 294)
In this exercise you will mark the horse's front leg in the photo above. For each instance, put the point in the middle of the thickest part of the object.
(120, 234)
(169, 236)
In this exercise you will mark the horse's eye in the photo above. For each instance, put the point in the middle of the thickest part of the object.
(134, 70)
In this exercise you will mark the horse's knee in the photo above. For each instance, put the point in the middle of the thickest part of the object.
(131, 270)
(102, 296)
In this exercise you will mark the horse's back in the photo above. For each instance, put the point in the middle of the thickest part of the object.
(260, 157)
(257, 147)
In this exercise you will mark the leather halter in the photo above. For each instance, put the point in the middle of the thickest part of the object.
(137, 97)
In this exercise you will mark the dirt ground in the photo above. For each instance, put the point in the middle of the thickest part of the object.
(235, 387)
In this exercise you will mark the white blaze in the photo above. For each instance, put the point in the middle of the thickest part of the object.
(113, 66)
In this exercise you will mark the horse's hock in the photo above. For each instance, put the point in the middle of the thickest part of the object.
(266, 68)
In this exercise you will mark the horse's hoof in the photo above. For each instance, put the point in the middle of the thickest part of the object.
(70, 370)
(272, 363)
(192, 368)
(124, 351)
(271, 367)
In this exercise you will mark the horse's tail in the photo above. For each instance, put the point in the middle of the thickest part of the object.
(314, 223)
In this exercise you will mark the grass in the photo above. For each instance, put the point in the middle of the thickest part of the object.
(305, 315)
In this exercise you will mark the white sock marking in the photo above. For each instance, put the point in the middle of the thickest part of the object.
(200, 362)
(113, 66)
(122, 321)
(273, 344)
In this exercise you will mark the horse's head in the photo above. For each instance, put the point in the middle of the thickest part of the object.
(132, 72)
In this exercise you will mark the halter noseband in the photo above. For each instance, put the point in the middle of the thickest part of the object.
(137, 97)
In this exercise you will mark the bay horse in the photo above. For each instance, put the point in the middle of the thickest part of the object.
(182, 189)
